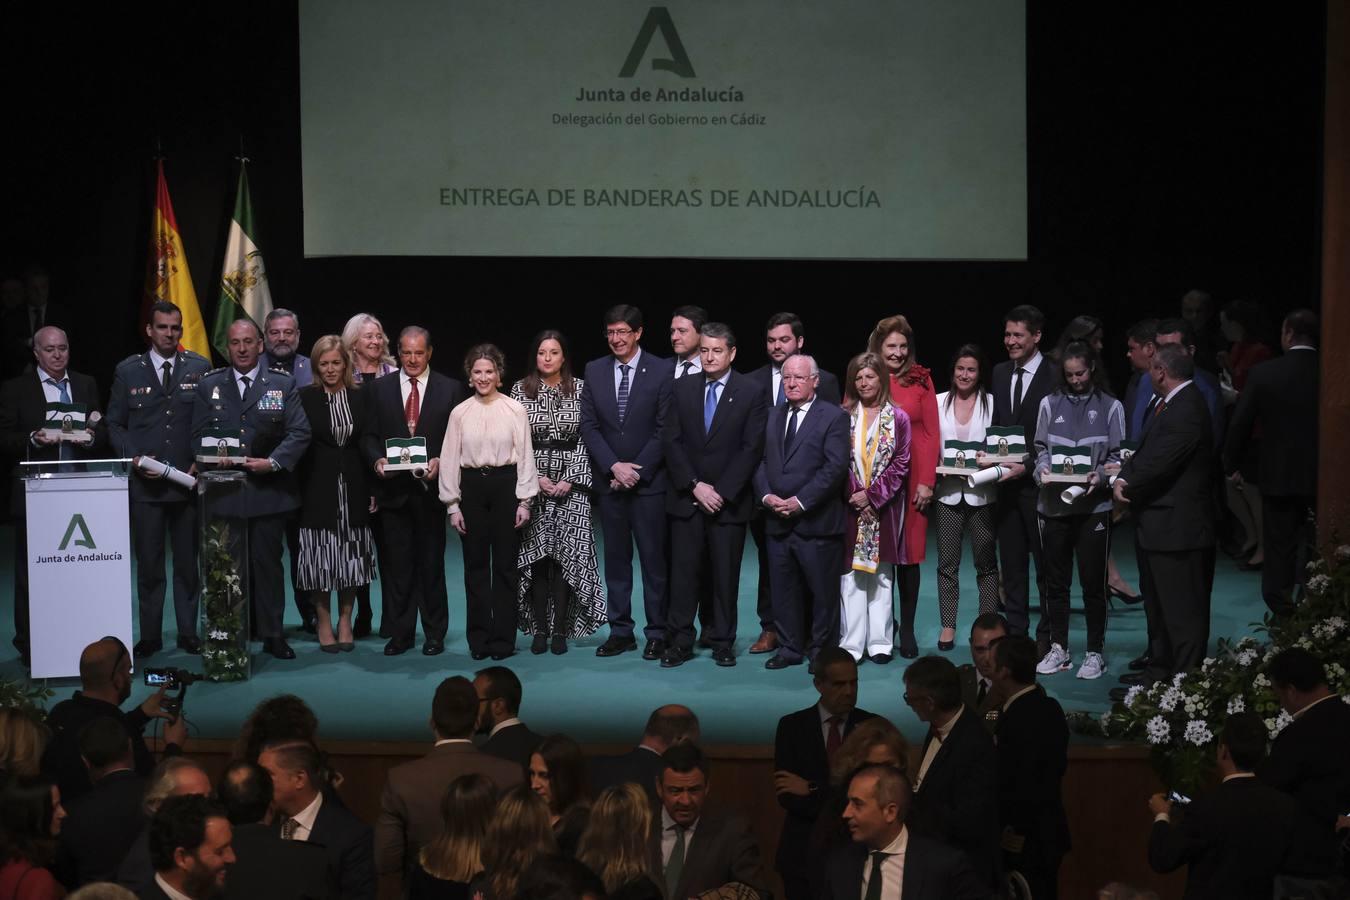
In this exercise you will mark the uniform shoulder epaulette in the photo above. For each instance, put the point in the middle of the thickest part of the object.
(278, 369)
(217, 370)
(131, 359)
(193, 355)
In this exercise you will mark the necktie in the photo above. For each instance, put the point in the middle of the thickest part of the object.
(1152, 402)
(1162, 404)
(412, 410)
(981, 694)
(874, 880)
(622, 396)
(1017, 393)
(64, 451)
(288, 829)
(243, 386)
(675, 866)
(62, 387)
(710, 405)
(835, 738)
(168, 373)
(782, 395)
(791, 429)
(687, 365)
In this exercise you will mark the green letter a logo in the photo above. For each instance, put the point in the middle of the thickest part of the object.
(658, 17)
(84, 540)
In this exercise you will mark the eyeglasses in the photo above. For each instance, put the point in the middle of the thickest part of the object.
(618, 332)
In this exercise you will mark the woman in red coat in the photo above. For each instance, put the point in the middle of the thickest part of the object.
(911, 389)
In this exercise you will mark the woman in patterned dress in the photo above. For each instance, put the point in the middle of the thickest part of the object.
(559, 592)
(336, 550)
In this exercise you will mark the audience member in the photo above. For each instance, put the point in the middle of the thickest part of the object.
(101, 890)
(877, 511)
(713, 439)
(517, 834)
(1308, 761)
(452, 859)
(557, 876)
(624, 403)
(885, 859)
(22, 741)
(304, 813)
(557, 772)
(1280, 401)
(805, 745)
(105, 684)
(1118, 890)
(410, 807)
(1234, 839)
(1032, 743)
(176, 776)
(266, 866)
(102, 823)
(190, 848)
(614, 844)
(693, 851)
(956, 785)
(499, 695)
(30, 822)
(784, 336)
(284, 717)
(666, 726)
(978, 692)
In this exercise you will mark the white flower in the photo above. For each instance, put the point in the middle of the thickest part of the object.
(1237, 705)
(219, 635)
(1345, 698)
(1334, 624)
(1133, 694)
(1178, 678)
(1343, 551)
(1205, 666)
(1246, 657)
(1198, 733)
(1276, 725)
(1158, 730)
(1170, 699)
(1318, 583)
(1261, 680)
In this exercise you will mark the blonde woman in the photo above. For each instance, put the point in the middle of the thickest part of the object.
(517, 834)
(614, 844)
(22, 740)
(452, 860)
(367, 348)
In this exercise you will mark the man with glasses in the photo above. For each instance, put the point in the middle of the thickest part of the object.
(623, 408)
(105, 684)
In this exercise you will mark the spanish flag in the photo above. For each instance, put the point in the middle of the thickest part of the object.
(167, 277)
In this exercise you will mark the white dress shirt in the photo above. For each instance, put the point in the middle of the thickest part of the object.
(304, 819)
(504, 723)
(934, 746)
(1030, 366)
(694, 365)
(169, 890)
(632, 365)
(52, 392)
(251, 375)
(157, 363)
(892, 867)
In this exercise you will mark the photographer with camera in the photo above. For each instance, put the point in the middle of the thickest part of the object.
(105, 684)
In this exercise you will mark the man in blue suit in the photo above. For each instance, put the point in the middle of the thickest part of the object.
(800, 485)
(623, 409)
(263, 407)
(150, 414)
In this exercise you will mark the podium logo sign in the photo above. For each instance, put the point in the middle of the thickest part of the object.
(84, 540)
(658, 19)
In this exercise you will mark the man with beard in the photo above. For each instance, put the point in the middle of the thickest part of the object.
(190, 841)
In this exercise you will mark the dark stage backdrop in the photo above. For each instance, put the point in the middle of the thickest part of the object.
(1168, 149)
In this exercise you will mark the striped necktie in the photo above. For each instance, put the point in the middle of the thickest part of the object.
(622, 396)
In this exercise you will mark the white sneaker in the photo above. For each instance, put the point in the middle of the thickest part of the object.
(1057, 660)
(1093, 666)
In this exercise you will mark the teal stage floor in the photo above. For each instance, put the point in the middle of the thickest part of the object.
(364, 695)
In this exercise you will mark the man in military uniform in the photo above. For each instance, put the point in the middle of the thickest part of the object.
(263, 406)
(150, 415)
(977, 677)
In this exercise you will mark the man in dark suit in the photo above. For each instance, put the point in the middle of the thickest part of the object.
(713, 439)
(1179, 332)
(696, 852)
(499, 695)
(803, 747)
(666, 726)
(410, 807)
(303, 813)
(1140, 342)
(885, 858)
(1032, 741)
(1169, 487)
(623, 409)
(190, 849)
(686, 327)
(1019, 385)
(978, 692)
(101, 826)
(150, 415)
(1309, 763)
(266, 867)
(1233, 840)
(23, 411)
(956, 786)
(415, 402)
(799, 483)
(784, 336)
(263, 408)
(1281, 394)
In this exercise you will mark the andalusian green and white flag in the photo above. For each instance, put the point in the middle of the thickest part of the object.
(219, 444)
(243, 278)
(1070, 460)
(405, 453)
(65, 417)
(961, 454)
(1005, 440)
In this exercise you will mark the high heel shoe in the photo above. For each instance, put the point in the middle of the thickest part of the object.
(329, 648)
(947, 645)
(1114, 593)
(559, 645)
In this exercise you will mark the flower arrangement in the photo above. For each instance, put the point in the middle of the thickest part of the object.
(1181, 718)
(225, 654)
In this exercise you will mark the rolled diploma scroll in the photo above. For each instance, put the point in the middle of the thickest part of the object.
(1072, 493)
(164, 470)
(984, 476)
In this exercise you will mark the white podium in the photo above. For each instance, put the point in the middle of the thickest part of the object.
(79, 560)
